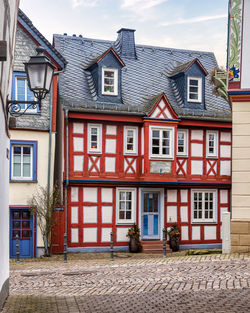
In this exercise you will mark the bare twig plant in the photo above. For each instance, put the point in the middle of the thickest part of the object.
(43, 205)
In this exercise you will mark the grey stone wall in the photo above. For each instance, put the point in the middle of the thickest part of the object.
(25, 47)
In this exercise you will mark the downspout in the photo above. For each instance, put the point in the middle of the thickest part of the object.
(66, 185)
(49, 154)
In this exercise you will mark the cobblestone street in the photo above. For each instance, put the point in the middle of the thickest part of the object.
(212, 283)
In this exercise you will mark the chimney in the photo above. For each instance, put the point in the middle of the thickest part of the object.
(125, 43)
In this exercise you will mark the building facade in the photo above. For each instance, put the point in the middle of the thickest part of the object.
(32, 144)
(8, 22)
(239, 93)
(145, 141)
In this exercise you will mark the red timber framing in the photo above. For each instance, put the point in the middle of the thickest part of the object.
(113, 165)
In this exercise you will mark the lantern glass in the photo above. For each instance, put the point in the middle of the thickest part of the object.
(36, 75)
(50, 71)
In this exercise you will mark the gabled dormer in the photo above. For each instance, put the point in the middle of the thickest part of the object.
(160, 108)
(190, 82)
(106, 75)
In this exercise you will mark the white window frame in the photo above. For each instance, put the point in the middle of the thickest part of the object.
(199, 79)
(135, 137)
(215, 200)
(185, 132)
(115, 71)
(20, 178)
(30, 110)
(170, 156)
(215, 153)
(133, 209)
(97, 150)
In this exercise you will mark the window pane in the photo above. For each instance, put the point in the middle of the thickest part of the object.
(165, 151)
(122, 205)
(193, 89)
(156, 142)
(129, 147)
(156, 133)
(129, 195)
(193, 96)
(94, 131)
(108, 74)
(26, 150)
(130, 133)
(121, 215)
(17, 159)
(26, 159)
(109, 81)
(109, 88)
(26, 170)
(128, 206)
(165, 134)
(20, 82)
(155, 150)
(193, 82)
(17, 150)
(122, 195)
(26, 214)
(128, 215)
(17, 170)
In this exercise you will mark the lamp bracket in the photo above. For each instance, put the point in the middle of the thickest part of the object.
(14, 107)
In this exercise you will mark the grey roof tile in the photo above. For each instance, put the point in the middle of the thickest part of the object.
(142, 78)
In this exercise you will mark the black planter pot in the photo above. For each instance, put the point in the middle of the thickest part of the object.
(174, 244)
(134, 245)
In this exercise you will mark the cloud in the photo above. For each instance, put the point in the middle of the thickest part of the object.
(194, 20)
(135, 5)
(84, 3)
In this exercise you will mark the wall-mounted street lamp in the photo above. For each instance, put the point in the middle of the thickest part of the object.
(39, 72)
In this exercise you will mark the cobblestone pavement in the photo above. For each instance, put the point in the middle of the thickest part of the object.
(213, 283)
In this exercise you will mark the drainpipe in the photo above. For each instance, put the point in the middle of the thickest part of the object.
(66, 185)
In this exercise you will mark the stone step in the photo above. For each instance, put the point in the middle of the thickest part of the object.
(154, 247)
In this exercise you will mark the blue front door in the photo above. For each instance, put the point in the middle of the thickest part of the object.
(22, 224)
(150, 215)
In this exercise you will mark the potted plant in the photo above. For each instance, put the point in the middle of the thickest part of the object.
(134, 238)
(174, 237)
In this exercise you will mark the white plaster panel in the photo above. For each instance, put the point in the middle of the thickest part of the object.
(184, 195)
(110, 165)
(106, 234)
(110, 146)
(107, 214)
(184, 233)
(223, 196)
(90, 234)
(196, 134)
(184, 167)
(78, 144)
(162, 104)
(196, 167)
(172, 214)
(121, 234)
(74, 194)
(225, 151)
(223, 210)
(225, 168)
(74, 215)
(184, 213)
(111, 130)
(155, 113)
(97, 164)
(196, 233)
(78, 128)
(74, 235)
(196, 149)
(214, 168)
(78, 163)
(171, 195)
(209, 232)
(107, 195)
(89, 214)
(225, 136)
(90, 194)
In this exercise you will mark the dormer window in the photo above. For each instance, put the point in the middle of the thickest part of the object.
(194, 89)
(109, 81)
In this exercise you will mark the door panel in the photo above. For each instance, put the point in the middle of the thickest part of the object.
(21, 224)
(150, 215)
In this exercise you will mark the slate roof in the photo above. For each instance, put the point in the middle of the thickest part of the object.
(27, 23)
(143, 79)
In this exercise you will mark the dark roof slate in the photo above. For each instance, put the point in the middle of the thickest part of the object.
(27, 23)
(142, 79)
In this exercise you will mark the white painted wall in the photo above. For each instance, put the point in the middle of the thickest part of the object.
(6, 8)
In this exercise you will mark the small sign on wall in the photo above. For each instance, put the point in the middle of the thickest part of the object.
(160, 167)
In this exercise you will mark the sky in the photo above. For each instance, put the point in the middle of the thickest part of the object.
(183, 24)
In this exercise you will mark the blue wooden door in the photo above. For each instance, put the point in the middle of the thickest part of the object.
(22, 224)
(150, 215)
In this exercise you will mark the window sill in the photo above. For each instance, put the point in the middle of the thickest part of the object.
(204, 222)
(22, 181)
(158, 157)
(212, 157)
(94, 152)
(128, 223)
(182, 156)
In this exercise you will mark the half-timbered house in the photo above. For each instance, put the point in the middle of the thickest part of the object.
(145, 141)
